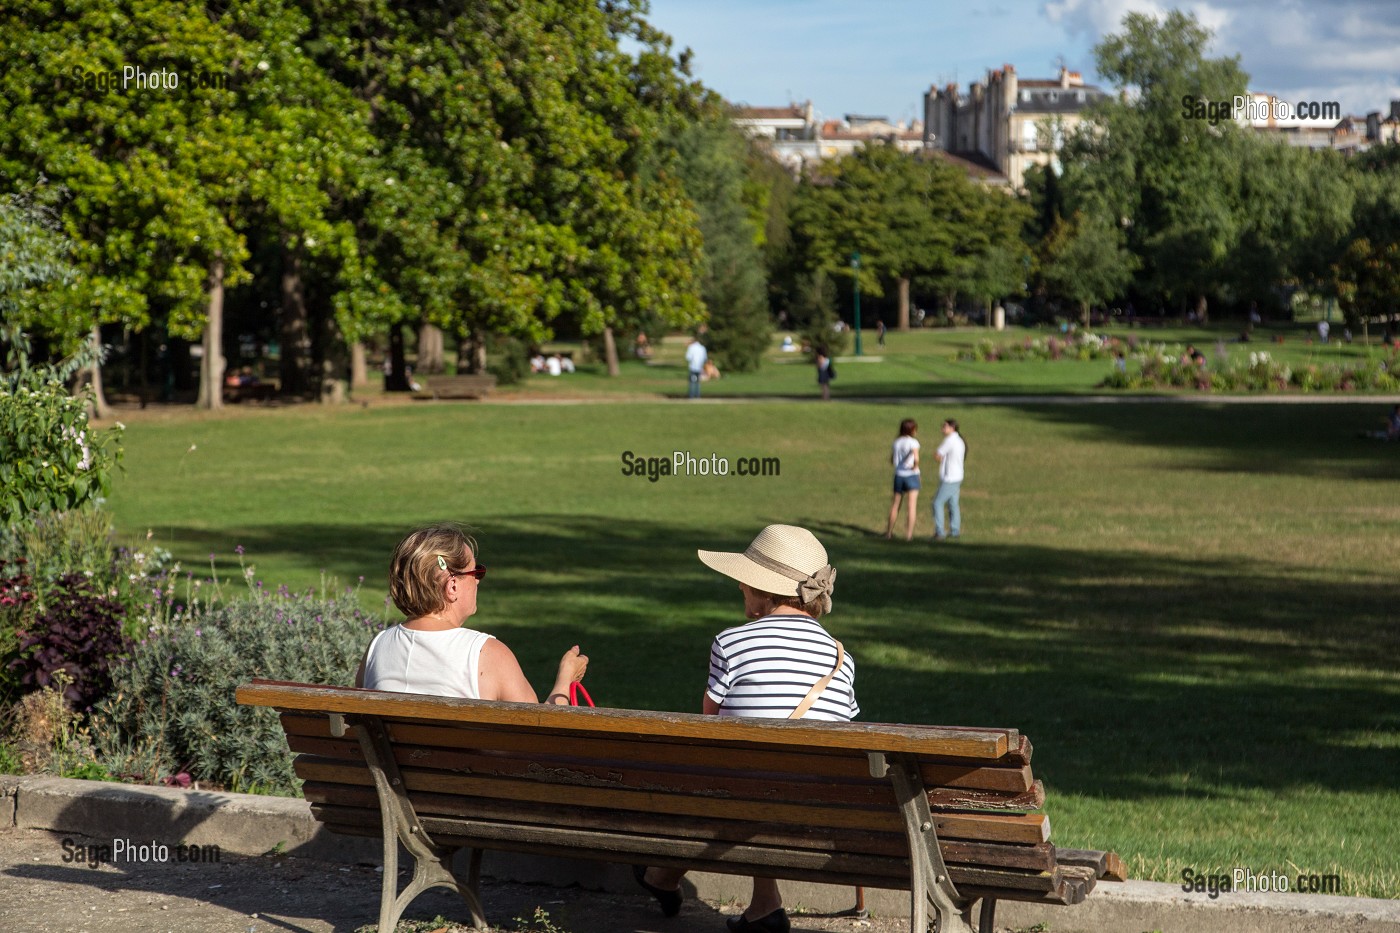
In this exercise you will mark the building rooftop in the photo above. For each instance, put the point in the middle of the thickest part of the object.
(791, 112)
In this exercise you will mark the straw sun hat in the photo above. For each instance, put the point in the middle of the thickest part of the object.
(783, 560)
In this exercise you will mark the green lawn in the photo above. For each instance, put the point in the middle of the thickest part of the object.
(920, 364)
(1191, 609)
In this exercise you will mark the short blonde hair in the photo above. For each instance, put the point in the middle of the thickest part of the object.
(415, 574)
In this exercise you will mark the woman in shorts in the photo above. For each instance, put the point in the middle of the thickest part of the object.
(906, 477)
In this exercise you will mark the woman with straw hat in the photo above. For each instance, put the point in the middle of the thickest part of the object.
(782, 664)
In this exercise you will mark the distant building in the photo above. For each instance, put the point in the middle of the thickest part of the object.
(1351, 133)
(795, 137)
(1005, 121)
(839, 138)
(1384, 129)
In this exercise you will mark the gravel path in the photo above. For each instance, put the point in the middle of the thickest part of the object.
(40, 893)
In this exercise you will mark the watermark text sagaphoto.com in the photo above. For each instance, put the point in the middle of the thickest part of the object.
(1249, 881)
(686, 463)
(1251, 109)
(128, 851)
(133, 78)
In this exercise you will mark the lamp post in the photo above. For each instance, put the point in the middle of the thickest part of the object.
(855, 278)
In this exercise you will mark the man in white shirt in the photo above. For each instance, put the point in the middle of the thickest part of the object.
(695, 357)
(950, 455)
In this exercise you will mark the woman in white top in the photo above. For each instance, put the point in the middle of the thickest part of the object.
(951, 455)
(906, 477)
(433, 580)
(780, 665)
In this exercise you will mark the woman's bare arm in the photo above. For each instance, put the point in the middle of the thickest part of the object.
(501, 678)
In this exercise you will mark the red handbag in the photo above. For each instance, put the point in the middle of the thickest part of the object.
(576, 689)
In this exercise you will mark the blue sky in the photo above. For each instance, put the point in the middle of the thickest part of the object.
(880, 56)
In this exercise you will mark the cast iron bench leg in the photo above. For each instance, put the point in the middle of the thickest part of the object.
(432, 863)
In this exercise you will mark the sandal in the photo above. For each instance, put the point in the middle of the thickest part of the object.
(670, 901)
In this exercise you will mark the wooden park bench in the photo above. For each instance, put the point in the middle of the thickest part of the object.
(478, 386)
(253, 392)
(946, 813)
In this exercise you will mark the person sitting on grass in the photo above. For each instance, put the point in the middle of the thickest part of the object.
(433, 580)
(780, 665)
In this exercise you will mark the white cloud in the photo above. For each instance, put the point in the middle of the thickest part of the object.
(1343, 50)
(1098, 17)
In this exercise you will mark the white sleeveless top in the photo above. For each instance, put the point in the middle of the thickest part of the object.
(442, 663)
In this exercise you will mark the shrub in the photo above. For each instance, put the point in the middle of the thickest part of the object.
(507, 358)
(43, 734)
(172, 709)
(79, 634)
(50, 459)
(16, 600)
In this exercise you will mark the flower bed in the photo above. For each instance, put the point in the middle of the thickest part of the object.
(1080, 346)
(1259, 372)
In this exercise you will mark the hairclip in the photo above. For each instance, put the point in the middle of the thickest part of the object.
(442, 562)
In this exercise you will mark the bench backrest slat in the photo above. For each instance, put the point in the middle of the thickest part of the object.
(579, 768)
(1002, 775)
(963, 743)
(1027, 829)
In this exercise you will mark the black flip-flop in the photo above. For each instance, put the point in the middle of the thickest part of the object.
(776, 922)
(670, 901)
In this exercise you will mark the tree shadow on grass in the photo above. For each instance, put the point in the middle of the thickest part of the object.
(1299, 439)
(1127, 670)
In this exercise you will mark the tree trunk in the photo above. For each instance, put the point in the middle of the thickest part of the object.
(359, 371)
(94, 374)
(396, 379)
(1201, 310)
(211, 368)
(429, 349)
(471, 353)
(478, 351)
(334, 388)
(903, 304)
(296, 337)
(610, 352)
(1084, 314)
(466, 354)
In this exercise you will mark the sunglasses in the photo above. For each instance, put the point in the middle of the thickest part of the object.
(476, 574)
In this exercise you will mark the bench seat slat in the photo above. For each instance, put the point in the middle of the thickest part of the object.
(1104, 864)
(1040, 857)
(706, 781)
(733, 858)
(875, 737)
(1013, 778)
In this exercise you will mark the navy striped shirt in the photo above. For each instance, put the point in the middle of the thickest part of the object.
(765, 668)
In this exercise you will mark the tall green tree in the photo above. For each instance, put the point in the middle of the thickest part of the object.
(733, 284)
(127, 158)
(1295, 212)
(903, 215)
(1365, 273)
(1170, 180)
(522, 174)
(1085, 262)
(166, 177)
(992, 257)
